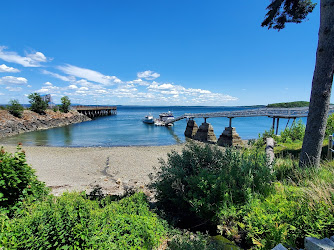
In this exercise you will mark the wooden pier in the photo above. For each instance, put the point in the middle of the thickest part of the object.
(229, 136)
(96, 111)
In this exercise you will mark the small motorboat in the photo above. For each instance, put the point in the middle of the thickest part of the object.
(148, 119)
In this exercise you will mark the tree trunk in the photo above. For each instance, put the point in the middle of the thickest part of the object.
(321, 88)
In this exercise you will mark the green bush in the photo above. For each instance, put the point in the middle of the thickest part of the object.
(17, 180)
(65, 104)
(204, 181)
(330, 125)
(72, 221)
(295, 133)
(291, 214)
(37, 104)
(15, 108)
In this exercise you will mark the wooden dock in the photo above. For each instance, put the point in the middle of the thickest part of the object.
(96, 111)
(275, 113)
(270, 112)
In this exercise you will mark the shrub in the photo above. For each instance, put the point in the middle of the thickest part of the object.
(72, 221)
(291, 214)
(17, 180)
(37, 104)
(295, 133)
(65, 104)
(204, 181)
(15, 108)
(330, 125)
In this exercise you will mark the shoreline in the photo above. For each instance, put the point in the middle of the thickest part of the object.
(114, 169)
(31, 121)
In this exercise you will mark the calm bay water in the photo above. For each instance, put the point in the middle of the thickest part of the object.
(127, 129)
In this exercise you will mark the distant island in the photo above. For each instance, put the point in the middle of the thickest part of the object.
(297, 104)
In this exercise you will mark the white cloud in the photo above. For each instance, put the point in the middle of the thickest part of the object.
(14, 89)
(61, 77)
(38, 57)
(72, 86)
(177, 94)
(5, 68)
(89, 74)
(12, 80)
(148, 75)
(49, 88)
(30, 60)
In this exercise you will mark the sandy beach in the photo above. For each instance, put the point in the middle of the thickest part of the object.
(80, 169)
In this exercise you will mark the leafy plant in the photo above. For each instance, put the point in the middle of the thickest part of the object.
(65, 104)
(15, 108)
(17, 180)
(204, 181)
(330, 125)
(72, 221)
(295, 133)
(38, 105)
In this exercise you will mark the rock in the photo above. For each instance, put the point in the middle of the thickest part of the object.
(205, 133)
(229, 138)
(31, 121)
(119, 182)
(280, 247)
(316, 244)
(191, 129)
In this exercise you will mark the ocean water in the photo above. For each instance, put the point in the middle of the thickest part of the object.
(127, 129)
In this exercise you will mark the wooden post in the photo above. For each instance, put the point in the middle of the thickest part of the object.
(270, 150)
(273, 128)
(230, 123)
(330, 147)
(287, 123)
(277, 125)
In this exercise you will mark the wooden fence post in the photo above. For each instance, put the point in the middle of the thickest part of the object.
(330, 147)
(270, 150)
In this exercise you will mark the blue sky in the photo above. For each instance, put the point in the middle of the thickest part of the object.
(154, 52)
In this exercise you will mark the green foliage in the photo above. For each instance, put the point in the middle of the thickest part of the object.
(65, 104)
(72, 221)
(281, 12)
(330, 125)
(17, 180)
(190, 241)
(289, 135)
(289, 215)
(295, 133)
(289, 104)
(204, 180)
(37, 104)
(15, 108)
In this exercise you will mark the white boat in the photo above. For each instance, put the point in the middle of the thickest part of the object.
(148, 119)
(164, 118)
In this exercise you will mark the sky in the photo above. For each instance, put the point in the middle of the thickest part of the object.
(154, 52)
